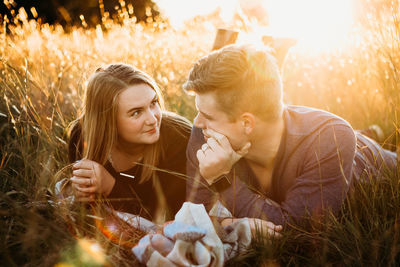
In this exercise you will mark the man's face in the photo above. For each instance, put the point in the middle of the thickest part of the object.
(210, 116)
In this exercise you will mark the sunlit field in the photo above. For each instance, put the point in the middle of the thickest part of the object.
(43, 73)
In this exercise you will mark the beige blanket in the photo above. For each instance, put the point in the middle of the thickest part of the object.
(192, 239)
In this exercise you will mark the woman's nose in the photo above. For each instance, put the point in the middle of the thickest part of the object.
(151, 117)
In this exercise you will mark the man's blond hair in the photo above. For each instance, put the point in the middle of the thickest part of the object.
(245, 78)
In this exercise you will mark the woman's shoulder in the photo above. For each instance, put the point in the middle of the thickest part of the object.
(175, 134)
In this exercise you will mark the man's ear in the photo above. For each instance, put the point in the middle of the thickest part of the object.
(248, 122)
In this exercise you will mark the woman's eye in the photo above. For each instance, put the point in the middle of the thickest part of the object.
(155, 102)
(136, 113)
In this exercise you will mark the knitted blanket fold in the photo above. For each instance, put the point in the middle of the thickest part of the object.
(192, 239)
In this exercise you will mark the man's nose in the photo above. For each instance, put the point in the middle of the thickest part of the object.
(199, 122)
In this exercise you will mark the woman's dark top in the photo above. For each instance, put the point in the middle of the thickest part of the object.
(144, 199)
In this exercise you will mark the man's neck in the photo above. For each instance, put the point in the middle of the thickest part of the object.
(265, 143)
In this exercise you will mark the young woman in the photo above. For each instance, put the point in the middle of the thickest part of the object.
(129, 151)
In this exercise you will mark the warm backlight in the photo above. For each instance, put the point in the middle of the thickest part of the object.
(315, 23)
(318, 23)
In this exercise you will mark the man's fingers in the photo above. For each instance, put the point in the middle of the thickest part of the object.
(244, 150)
(272, 233)
(271, 225)
(266, 227)
(204, 147)
(214, 145)
(200, 155)
(224, 142)
(220, 138)
(213, 134)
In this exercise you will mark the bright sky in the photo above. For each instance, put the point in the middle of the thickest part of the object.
(318, 23)
(180, 10)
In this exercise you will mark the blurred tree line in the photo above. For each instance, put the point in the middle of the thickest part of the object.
(68, 12)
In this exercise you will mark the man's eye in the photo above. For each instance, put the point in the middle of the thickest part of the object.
(208, 118)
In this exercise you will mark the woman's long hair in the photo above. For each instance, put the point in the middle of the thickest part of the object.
(98, 117)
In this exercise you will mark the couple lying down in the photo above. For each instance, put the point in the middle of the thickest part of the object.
(280, 164)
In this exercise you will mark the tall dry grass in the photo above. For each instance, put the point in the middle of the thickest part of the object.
(43, 71)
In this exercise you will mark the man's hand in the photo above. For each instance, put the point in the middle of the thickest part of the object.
(90, 178)
(258, 226)
(264, 227)
(216, 157)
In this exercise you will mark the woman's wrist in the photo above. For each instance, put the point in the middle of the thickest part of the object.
(109, 184)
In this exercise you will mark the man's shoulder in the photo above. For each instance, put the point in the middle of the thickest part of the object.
(310, 128)
(312, 113)
(304, 120)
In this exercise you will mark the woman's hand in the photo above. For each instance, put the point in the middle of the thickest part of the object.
(258, 226)
(90, 178)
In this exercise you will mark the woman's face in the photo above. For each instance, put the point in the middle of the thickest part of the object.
(138, 115)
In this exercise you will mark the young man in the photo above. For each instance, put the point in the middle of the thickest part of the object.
(262, 159)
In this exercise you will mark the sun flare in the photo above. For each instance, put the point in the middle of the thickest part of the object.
(315, 23)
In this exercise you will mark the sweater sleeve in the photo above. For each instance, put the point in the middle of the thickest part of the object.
(197, 189)
(172, 167)
(172, 175)
(320, 186)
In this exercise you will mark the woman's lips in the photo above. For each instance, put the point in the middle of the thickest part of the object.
(152, 131)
